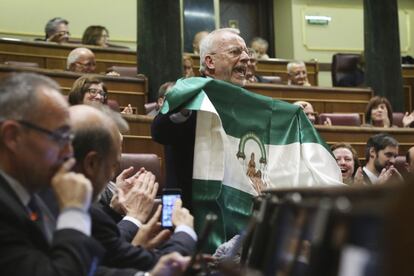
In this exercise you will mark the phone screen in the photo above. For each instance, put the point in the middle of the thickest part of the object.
(168, 201)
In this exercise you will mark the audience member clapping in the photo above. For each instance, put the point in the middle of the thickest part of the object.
(378, 113)
(347, 160)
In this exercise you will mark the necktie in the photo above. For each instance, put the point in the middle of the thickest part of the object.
(35, 215)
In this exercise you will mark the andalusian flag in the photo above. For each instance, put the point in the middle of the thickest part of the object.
(245, 143)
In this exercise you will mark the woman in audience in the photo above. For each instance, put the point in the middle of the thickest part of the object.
(378, 113)
(96, 35)
(89, 89)
(188, 71)
(347, 160)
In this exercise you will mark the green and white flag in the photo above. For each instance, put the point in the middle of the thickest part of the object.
(245, 143)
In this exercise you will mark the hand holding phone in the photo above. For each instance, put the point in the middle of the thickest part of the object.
(169, 197)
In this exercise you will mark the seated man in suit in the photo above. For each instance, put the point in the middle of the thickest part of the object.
(81, 60)
(297, 74)
(380, 153)
(35, 149)
(223, 56)
(97, 151)
(57, 30)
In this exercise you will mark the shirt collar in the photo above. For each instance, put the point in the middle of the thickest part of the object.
(20, 191)
(372, 177)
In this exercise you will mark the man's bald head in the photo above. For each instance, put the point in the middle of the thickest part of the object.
(96, 146)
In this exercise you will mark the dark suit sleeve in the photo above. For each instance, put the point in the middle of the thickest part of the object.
(122, 254)
(127, 230)
(71, 253)
(166, 132)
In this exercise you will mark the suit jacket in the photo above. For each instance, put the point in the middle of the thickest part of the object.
(179, 151)
(121, 254)
(25, 250)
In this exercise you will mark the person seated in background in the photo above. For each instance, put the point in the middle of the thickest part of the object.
(261, 46)
(297, 73)
(96, 35)
(57, 30)
(380, 153)
(81, 60)
(347, 159)
(308, 109)
(162, 91)
(196, 41)
(378, 113)
(188, 71)
(89, 89)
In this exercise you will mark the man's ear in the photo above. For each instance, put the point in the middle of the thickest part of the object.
(209, 61)
(10, 134)
(372, 153)
(91, 164)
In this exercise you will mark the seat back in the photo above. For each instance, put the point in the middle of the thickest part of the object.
(397, 118)
(340, 119)
(151, 162)
(124, 71)
(343, 64)
(401, 164)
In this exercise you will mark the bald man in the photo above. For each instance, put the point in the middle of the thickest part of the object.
(81, 60)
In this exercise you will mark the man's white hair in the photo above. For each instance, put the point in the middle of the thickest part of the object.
(75, 54)
(292, 64)
(207, 45)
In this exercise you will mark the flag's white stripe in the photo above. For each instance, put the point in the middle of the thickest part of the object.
(292, 165)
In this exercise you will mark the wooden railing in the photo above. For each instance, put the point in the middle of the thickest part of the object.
(53, 56)
(124, 90)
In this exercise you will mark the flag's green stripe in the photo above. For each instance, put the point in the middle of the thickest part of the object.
(232, 207)
(286, 122)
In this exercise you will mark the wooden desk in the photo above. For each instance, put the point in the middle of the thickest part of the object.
(124, 90)
(358, 136)
(53, 56)
(272, 67)
(323, 99)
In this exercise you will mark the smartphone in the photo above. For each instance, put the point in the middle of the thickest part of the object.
(169, 196)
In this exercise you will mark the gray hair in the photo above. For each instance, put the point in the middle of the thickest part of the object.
(74, 56)
(18, 94)
(291, 64)
(261, 41)
(52, 25)
(207, 45)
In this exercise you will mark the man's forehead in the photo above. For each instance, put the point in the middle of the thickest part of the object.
(391, 149)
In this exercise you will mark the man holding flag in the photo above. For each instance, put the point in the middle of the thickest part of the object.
(237, 143)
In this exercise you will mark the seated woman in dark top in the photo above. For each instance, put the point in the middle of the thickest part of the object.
(378, 113)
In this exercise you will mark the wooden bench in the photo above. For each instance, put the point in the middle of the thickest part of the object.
(53, 56)
(271, 67)
(323, 99)
(124, 90)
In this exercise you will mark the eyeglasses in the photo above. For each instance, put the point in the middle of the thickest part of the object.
(93, 92)
(234, 51)
(60, 136)
(88, 64)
